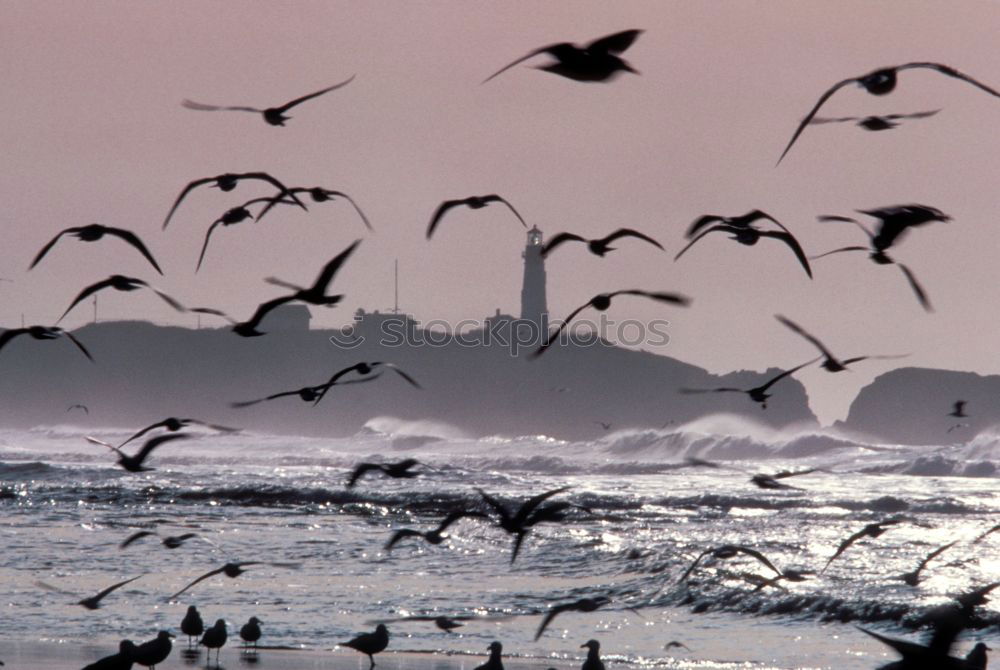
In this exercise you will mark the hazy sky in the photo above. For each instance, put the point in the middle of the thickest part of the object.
(93, 131)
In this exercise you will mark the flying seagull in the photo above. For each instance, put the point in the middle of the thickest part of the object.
(227, 182)
(93, 602)
(594, 62)
(743, 231)
(399, 470)
(581, 605)
(85, 409)
(875, 123)
(729, 551)
(765, 481)
(43, 333)
(435, 536)
(913, 578)
(233, 570)
(135, 463)
(320, 194)
(274, 116)
(830, 362)
(170, 542)
(757, 393)
(600, 246)
(872, 530)
(602, 302)
(366, 369)
(94, 232)
(120, 283)
(445, 623)
(959, 409)
(311, 394)
(472, 202)
(173, 424)
(880, 82)
(529, 514)
(239, 214)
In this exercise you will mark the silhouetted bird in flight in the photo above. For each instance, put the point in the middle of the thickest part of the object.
(93, 602)
(758, 394)
(598, 247)
(94, 232)
(435, 536)
(227, 182)
(191, 624)
(86, 410)
(399, 470)
(236, 215)
(604, 424)
(959, 409)
(772, 481)
(880, 82)
(913, 578)
(274, 116)
(935, 655)
(120, 661)
(520, 523)
(366, 369)
(370, 643)
(250, 632)
(472, 202)
(872, 530)
(155, 651)
(173, 424)
(602, 302)
(495, 661)
(170, 542)
(120, 283)
(233, 570)
(593, 660)
(320, 194)
(42, 333)
(581, 605)
(445, 623)
(597, 61)
(830, 362)
(729, 551)
(743, 231)
(875, 123)
(215, 638)
(675, 644)
(135, 463)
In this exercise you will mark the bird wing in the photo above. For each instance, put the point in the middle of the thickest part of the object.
(629, 232)
(263, 309)
(837, 251)
(413, 382)
(100, 596)
(552, 337)
(549, 616)
(213, 312)
(659, 296)
(786, 473)
(917, 289)
(793, 244)
(440, 212)
(143, 432)
(493, 197)
(331, 268)
(722, 227)
(135, 537)
(559, 239)
(399, 535)
(913, 115)
(285, 191)
(694, 565)
(357, 209)
(819, 119)
(495, 504)
(908, 650)
(213, 426)
(934, 554)
(248, 403)
(529, 506)
(832, 218)
(531, 54)
(310, 96)
(616, 43)
(79, 345)
(204, 246)
(153, 443)
(951, 72)
(183, 194)
(131, 238)
(48, 246)
(805, 122)
(845, 544)
(759, 556)
(796, 328)
(360, 470)
(455, 516)
(85, 293)
(202, 107)
(701, 222)
(167, 299)
(203, 577)
(790, 371)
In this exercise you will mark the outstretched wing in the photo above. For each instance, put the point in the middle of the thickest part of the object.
(951, 72)
(629, 232)
(331, 268)
(364, 219)
(805, 122)
(131, 238)
(455, 516)
(440, 212)
(410, 380)
(616, 43)
(549, 616)
(531, 54)
(100, 596)
(689, 391)
(187, 189)
(793, 244)
(917, 288)
(837, 251)
(559, 239)
(86, 293)
(204, 246)
(167, 299)
(310, 96)
(155, 442)
(135, 537)
(360, 471)
(493, 197)
(659, 296)
(202, 107)
(796, 328)
(759, 556)
(399, 535)
(143, 432)
(552, 337)
(52, 242)
(261, 311)
(529, 505)
(790, 371)
(203, 577)
(934, 554)
(694, 565)
(722, 227)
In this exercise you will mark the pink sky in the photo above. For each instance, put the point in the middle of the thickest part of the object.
(94, 131)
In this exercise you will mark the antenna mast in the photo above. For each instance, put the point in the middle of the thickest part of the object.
(395, 309)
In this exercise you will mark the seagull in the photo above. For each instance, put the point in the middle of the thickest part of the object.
(320, 194)
(495, 661)
(233, 570)
(872, 530)
(191, 624)
(215, 638)
(239, 214)
(830, 362)
(250, 632)
(771, 481)
(227, 182)
(757, 393)
(593, 661)
(445, 623)
(399, 470)
(274, 116)
(86, 410)
(935, 655)
(120, 661)
(602, 302)
(894, 221)
(472, 202)
(43, 333)
(120, 283)
(94, 232)
(729, 551)
(529, 514)
(171, 542)
(135, 463)
(880, 82)
(875, 123)
(435, 536)
(598, 247)
(370, 643)
(306, 394)
(173, 424)
(93, 602)
(675, 644)
(594, 62)
(154, 652)
(913, 578)
(743, 231)
(959, 409)
(581, 605)
(603, 424)
(366, 369)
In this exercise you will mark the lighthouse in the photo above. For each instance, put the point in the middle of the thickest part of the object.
(533, 304)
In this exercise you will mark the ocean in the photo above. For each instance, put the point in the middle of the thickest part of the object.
(640, 516)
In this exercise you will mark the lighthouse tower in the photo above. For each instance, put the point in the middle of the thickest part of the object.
(533, 305)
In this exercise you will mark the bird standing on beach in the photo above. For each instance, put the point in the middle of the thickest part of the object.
(472, 202)
(594, 62)
(154, 652)
(250, 632)
(495, 661)
(600, 246)
(120, 661)
(274, 116)
(215, 638)
(191, 624)
(94, 232)
(593, 660)
(370, 643)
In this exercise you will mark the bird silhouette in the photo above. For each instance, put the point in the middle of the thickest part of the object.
(435, 536)
(43, 333)
(495, 661)
(743, 231)
(155, 651)
(880, 82)
(173, 424)
(370, 643)
(93, 602)
(366, 369)
(729, 551)
(602, 302)
(758, 394)
(472, 202)
(311, 394)
(135, 463)
(236, 215)
(94, 232)
(400, 470)
(830, 362)
(320, 194)
(170, 542)
(227, 182)
(594, 62)
(215, 638)
(593, 660)
(86, 410)
(121, 283)
(191, 624)
(913, 578)
(274, 116)
(232, 570)
(519, 523)
(875, 123)
(250, 632)
(872, 530)
(581, 605)
(600, 246)
(766, 481)
(119, 661)
(959, 409)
